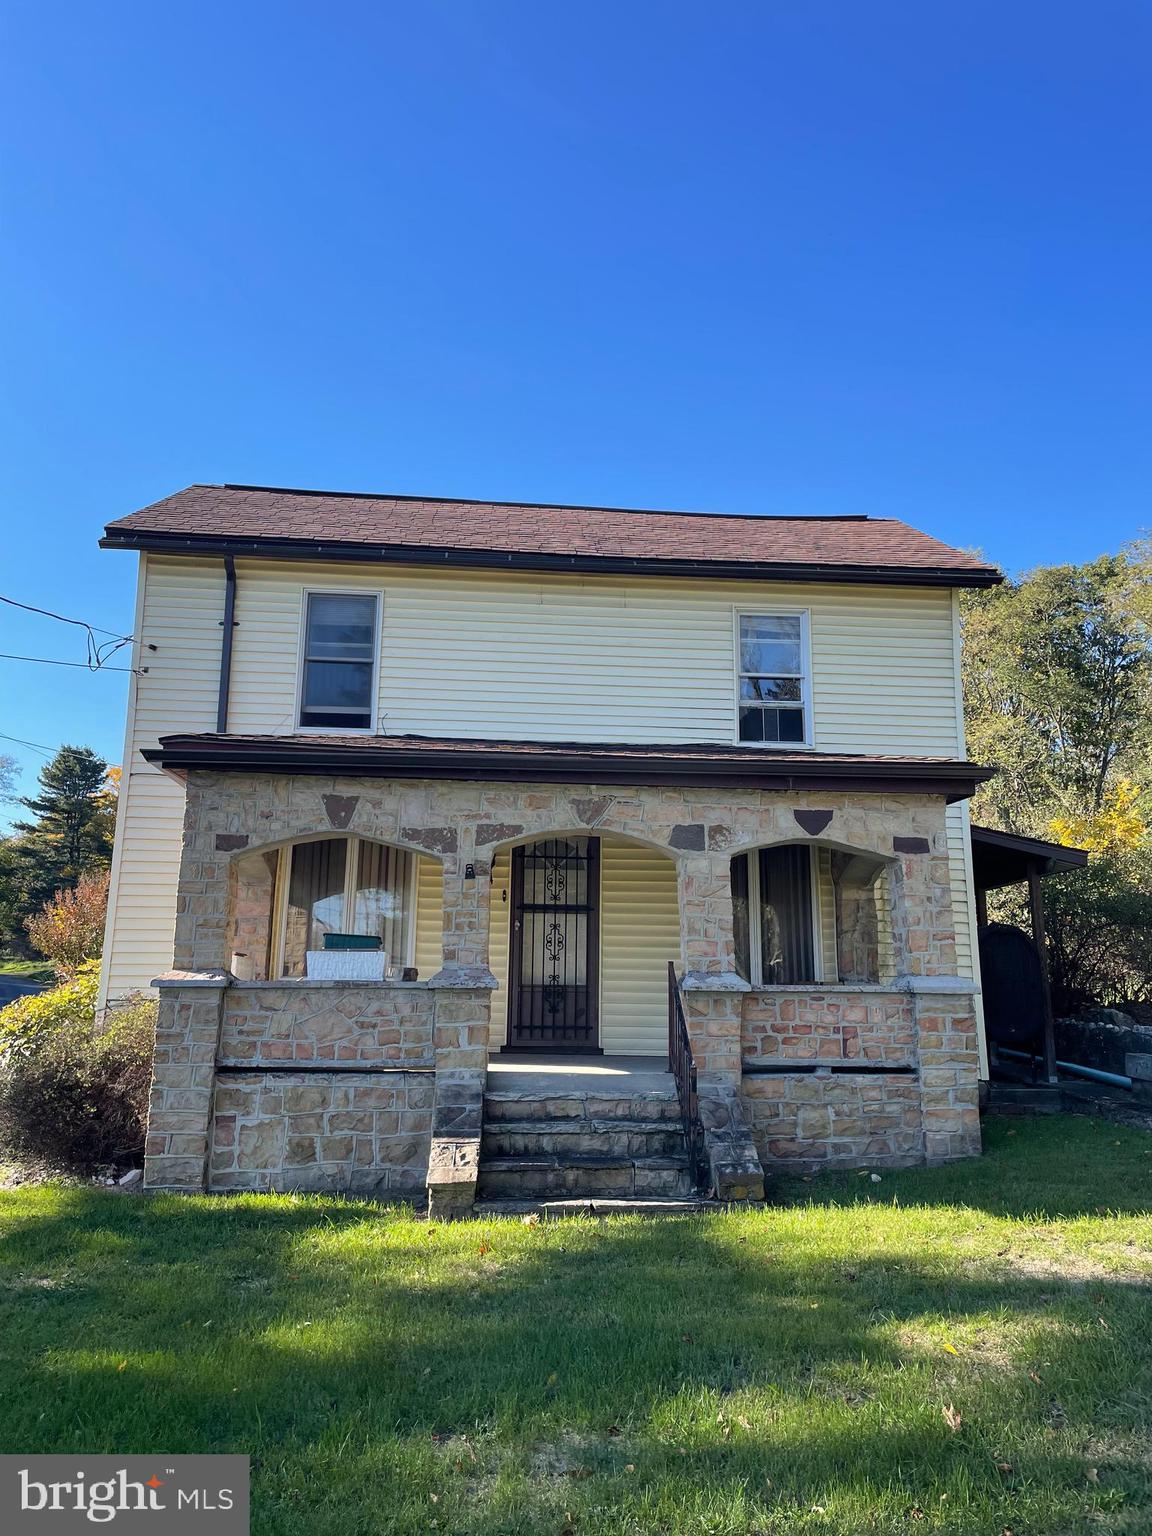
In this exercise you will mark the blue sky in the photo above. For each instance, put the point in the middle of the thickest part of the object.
(805, 257)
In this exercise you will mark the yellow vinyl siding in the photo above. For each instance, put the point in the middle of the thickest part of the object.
(639, 934)
(177, 657)
(885, 944)
(429, 946)
(499, 933)
(826, 915)
(524, 656)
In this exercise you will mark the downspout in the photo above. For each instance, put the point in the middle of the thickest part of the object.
(228, 623)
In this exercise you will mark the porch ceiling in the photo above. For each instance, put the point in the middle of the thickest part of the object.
(704, 766)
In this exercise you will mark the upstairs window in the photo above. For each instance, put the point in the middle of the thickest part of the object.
(339, 663)
(772, 684)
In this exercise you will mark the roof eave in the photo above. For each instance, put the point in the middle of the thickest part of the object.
(526, 560)
(1048, 858)
(954, 781)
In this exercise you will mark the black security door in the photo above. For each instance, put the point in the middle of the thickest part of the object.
(552, 1003)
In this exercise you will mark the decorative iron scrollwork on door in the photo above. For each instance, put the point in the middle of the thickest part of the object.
(553, 994)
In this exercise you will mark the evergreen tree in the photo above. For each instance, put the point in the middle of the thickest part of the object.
(71, 832)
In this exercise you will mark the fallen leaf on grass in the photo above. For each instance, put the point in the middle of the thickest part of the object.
(949, 1348)
(123, 1366)
(743, 1422)
(951, 1417)
(484, 1248)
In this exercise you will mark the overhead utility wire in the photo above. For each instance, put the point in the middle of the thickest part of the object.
(51, 661)
(36, 746)
(98, 651)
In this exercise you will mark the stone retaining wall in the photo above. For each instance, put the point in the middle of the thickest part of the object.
(359, 1132)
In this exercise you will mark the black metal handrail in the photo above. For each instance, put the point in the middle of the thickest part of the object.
(683, 1066)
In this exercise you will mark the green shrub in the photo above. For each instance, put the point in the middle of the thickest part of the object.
(74, 1092)
(73, 1001)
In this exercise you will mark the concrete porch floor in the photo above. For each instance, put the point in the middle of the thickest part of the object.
(545, 1074)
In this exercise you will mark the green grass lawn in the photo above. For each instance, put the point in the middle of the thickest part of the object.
(28, 970)
(958, 1350)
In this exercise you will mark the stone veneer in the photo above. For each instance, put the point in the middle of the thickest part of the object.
(834, 1024)
(324, 1021)
(364, 1133)
(914, 1100)
(205, 1017)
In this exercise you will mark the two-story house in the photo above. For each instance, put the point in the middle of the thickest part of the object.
(420, 795)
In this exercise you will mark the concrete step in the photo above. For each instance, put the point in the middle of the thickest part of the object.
(582, 1176)
(649, 1104)
(617, 1138)
(602, 1205)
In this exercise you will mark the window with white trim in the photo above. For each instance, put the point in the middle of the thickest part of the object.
(771, 680)
(775, 913)
(338, 670)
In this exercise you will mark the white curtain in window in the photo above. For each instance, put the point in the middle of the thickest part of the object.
(381, 899)
(315, 899)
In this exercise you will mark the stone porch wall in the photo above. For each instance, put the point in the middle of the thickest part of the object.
(833, 1024)
(358, 1132)
(327, 1021)
(918, 1103)
(812, 1120)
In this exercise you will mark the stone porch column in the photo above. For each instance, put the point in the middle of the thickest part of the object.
(463, 988)
(949, 1065)
(713, 993)
(924, 933)
(188, 1023)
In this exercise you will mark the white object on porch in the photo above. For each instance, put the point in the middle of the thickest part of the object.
(346, 964)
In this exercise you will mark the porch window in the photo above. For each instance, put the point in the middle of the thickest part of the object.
(339, 661)
(342, 885)
(776, 916)
(772, 706)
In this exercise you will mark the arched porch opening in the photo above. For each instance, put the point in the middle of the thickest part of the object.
(812, 914)
(582, 926)
(302, 908)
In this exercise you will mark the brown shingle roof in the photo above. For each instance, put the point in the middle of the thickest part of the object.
(257, 519)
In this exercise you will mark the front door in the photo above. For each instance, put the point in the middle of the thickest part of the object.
(553, 997)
